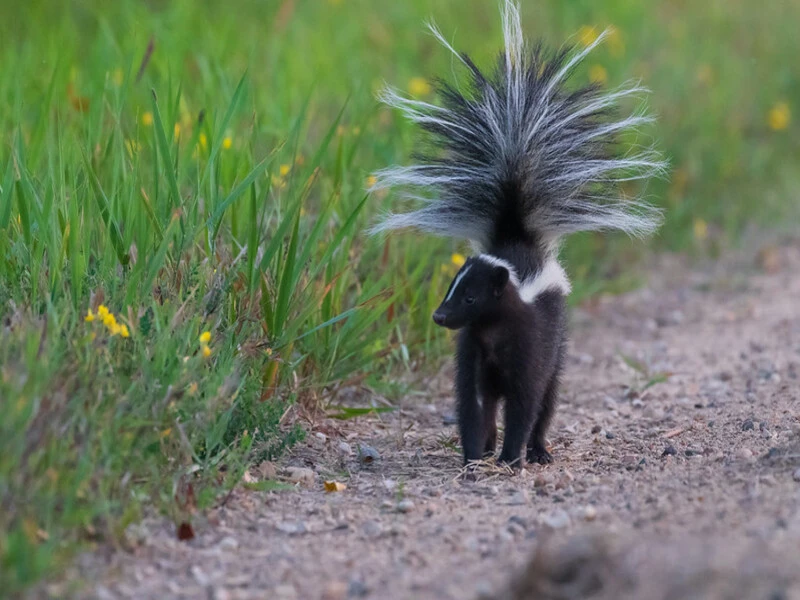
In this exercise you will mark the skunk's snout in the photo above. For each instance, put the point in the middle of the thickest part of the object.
(439, 318)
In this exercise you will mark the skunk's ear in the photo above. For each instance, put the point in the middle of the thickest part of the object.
(500, 276)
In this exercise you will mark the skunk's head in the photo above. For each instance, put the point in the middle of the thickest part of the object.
(475, 294)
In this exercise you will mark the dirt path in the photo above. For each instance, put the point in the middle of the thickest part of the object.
(713, 451)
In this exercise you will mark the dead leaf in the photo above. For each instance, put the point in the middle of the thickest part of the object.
(334, 486)
(185, 532)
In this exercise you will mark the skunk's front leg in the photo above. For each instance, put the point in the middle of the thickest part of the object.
(470, 412)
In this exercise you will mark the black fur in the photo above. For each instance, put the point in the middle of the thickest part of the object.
(507, 349)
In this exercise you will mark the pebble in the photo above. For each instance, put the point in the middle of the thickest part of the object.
(517, 521)
(357, 589)
(405, 506)
(199, 576)
(291, 527)
(590, 513)
(321, 436)
(558, 519)
(669, 451)
(518, 498)
(610, 436)
(597, 429)
(745, 454)
(367, 454)
(748, 425)
(301, 475)
(796, 475)
(344, 448)
(371, 529)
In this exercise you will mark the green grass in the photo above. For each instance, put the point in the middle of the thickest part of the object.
(219, 186)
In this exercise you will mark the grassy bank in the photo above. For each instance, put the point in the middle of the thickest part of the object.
(182, 215)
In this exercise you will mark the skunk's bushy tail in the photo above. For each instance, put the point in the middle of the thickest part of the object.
(520, 150)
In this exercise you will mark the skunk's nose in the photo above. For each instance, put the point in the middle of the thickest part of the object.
(439, 318)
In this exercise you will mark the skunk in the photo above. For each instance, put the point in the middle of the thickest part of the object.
(518, 162)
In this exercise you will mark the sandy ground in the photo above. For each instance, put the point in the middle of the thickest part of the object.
(695, 478)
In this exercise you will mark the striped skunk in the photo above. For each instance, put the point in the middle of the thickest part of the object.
(519, 162)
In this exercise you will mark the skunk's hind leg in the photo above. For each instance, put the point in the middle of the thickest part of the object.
(537, 451)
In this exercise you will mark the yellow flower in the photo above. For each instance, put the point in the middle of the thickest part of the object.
(203, 141)
(419, 86)
(123, 331)
(89, 316)
(114, 329)
(371, 180)
(176, 131)
(284, 170)
(458, 260)
(227, 143)
(102, 311)
(192, 389)
(117, 77)
(700, 229)
(206, 351)
(779, 116)
(598, 74)
(205, 337)
(147, 119)
(587, 35)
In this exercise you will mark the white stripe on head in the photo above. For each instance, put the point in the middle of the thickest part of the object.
(551, 277)
(499, 262)
(458, 279)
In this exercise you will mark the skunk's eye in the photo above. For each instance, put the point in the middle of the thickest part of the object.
(470, 299)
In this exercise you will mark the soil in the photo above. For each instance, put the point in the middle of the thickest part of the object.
(676, 474)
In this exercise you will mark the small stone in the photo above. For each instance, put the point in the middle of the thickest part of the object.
(744, 454)
(690, 452)
(367, 454)
(518, 498)
(228, 543)
(371, 529)
(390, 485)
(518, 521)
(590, 513)
(766, 434)
(449, 419)
(291, 527)
(199, 576)
(405, 506)
(344, 448)
(610, 436)
(748, 425)
(558, 519)
(301, 475)
(669, 451)
(387, 504)
(357, 589)
(597, 429)
(335, 590)
(321, 436)
(796, 475)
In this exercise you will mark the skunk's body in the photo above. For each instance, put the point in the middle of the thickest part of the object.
(519, 162)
